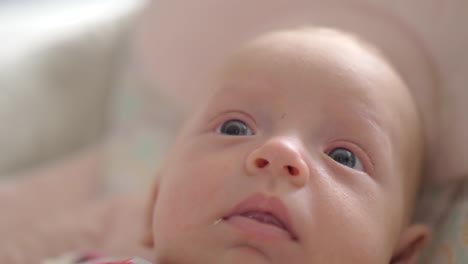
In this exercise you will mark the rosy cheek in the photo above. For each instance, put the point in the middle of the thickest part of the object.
(201, 179)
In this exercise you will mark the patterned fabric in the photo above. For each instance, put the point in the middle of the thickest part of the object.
(92, 258)
(445, 209)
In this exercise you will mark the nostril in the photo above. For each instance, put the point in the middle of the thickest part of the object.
(292, 170)
(261, 163)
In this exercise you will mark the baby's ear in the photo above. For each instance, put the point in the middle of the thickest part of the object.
(411, 244)
(148, 240)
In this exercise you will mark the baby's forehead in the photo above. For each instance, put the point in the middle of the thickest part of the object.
(302, 42)
(306, 52)
(308, 36)
(315, 62)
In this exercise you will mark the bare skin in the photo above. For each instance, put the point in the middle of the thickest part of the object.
(309, 151)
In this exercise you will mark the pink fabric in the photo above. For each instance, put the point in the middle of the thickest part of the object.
(57, 210)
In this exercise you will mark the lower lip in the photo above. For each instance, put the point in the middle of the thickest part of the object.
(255, 229)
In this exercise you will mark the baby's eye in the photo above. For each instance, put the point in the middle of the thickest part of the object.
(346, 158)
(234, 127)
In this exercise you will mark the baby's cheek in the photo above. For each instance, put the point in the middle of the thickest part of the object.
(349, 223)
(363, 238)
(192, 186)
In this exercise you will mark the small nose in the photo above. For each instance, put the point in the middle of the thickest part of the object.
(279, 157)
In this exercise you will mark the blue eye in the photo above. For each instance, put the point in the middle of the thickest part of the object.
(234, 127)
(346, 158)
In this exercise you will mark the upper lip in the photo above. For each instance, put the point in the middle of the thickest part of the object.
(265, 204)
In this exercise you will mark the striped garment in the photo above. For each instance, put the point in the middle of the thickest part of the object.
(93, 258)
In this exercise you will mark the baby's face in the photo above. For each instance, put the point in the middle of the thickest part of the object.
(306, 153)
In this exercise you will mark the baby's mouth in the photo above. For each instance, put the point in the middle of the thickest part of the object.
(265, 216)
(260, 222)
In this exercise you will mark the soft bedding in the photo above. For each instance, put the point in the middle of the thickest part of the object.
(59, 209)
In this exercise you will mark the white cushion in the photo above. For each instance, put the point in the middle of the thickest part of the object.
(56, 68)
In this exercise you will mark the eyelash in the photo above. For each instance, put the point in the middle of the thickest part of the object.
(226, 124)
(360, 153)
(231, 115)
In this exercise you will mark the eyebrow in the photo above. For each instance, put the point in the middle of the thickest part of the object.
(357, 121)
(364, 110)
(224, 112)
(363, 122)
(370, 118)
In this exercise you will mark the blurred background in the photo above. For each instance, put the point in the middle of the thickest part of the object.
(68, 81)
(76, 125)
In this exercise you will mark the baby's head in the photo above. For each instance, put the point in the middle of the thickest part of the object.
(309, 150)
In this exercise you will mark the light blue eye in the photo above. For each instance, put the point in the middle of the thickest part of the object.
(346, 158)
(234, 127)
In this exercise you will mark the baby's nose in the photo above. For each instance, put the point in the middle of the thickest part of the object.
(279, 157)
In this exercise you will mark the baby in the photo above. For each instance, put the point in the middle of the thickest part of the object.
(309, 150)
